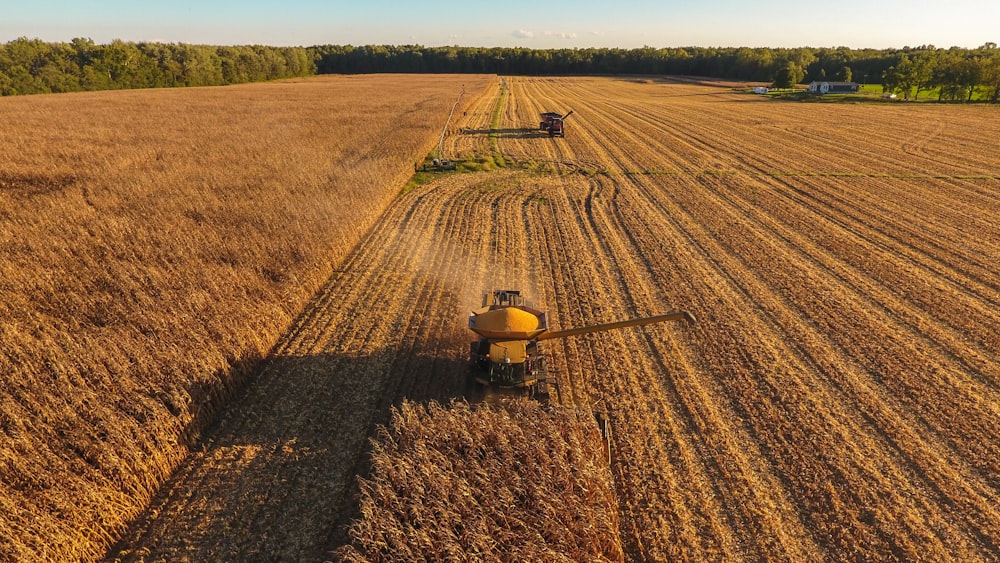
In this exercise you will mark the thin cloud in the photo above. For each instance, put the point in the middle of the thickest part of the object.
(561, 35)
(523, 34)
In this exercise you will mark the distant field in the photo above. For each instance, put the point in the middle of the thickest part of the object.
(155, 244)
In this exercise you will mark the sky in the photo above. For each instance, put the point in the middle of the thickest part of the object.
(539, 24)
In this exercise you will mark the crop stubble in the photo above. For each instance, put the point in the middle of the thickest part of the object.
(838, 398)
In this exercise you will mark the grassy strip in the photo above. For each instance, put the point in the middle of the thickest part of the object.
(427, 173)
(495, 125)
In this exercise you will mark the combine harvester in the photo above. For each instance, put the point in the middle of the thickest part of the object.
(507, 355)
(554, 123)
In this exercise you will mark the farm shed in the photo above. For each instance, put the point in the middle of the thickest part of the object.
(833, 87)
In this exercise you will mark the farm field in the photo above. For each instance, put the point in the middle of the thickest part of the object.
(155, 245)
(839, 397)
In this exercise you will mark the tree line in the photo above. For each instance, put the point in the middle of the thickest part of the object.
(33, 66)
(955, 73)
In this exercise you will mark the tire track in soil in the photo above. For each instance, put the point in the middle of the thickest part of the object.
(611, 389)
(582, 127)
(612, 381)
(675, 428)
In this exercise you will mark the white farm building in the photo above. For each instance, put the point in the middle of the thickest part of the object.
(833, 87)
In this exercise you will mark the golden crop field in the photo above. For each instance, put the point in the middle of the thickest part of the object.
(511, 481)
(155, 244)
(838, 398)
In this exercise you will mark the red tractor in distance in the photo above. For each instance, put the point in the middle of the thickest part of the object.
(554, 123)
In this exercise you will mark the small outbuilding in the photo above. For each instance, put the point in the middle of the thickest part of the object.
(833, 87)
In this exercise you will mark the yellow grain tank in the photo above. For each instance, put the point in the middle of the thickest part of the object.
(507, 323)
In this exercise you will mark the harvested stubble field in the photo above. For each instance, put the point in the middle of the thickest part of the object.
(155, 245)
(839, 398)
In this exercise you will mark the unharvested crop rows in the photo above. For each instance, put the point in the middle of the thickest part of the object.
(838, 398)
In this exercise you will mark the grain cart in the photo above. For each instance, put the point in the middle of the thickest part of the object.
(554, 123)
(507, 353)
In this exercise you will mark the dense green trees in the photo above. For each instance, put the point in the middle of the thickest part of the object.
(31, 66)
(956, 74)
(787, 76)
